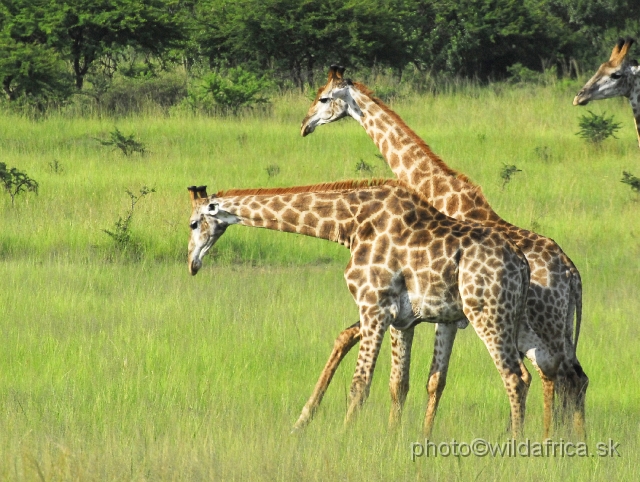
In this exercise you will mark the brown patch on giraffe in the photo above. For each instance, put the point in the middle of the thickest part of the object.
(311, 220)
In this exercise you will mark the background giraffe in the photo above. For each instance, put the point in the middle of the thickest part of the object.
(409, 264)
(555, 291)
(617, 77)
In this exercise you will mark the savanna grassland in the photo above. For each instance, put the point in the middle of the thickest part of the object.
(120, 366)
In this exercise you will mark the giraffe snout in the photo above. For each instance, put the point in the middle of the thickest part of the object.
(580, 99)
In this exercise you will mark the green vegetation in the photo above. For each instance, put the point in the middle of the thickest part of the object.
(238, 88)
(632, 181)
(120, 368)
(121, 233)
(51, 50)
(127, 144)
(16, 182)
(507, 172)
(596, 128)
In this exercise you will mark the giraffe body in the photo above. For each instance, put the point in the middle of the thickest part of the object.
(617, 77)
(409, 264)
(555, 290)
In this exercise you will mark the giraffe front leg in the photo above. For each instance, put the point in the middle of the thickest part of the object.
(442, 348)
(636, 119)
(372, 329)
(401, 342)
(345, 341)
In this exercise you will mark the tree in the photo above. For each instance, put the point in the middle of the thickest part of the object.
(483, 37)
(299, 37)
(82, 31)
(31, 71)
(28, 67)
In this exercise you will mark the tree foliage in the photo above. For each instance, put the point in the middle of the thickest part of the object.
(238, 88)
(47, 47)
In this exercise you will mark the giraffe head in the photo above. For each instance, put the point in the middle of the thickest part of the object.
(208, 222)
(332, 103)
(614, 78)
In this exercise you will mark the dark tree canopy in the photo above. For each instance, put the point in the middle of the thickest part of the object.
(47, 46)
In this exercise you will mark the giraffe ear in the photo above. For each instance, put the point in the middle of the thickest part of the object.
(620, 51)
(335, 72)
(197, 192)
(616, 49)
(625, 48)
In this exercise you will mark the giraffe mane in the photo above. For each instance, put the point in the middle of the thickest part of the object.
(415, 137)
(346, 185)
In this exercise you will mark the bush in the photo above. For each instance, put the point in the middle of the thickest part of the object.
(127, 95)
(237, 88)
(596, 128)
(15, 182)
(632, 181)
(127, 144)
(121, 231)
(507, 172)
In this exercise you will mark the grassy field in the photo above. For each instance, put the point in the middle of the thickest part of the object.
(119, 366)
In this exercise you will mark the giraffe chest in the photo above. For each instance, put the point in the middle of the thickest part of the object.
(430, 298)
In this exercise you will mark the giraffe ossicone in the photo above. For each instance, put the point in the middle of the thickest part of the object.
(409, 264)
(617, 77)
(555, 290)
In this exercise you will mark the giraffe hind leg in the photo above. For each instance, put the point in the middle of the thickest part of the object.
(345, 341)
(442, 348)
(372, 330)
(401, 342)
(505, 355)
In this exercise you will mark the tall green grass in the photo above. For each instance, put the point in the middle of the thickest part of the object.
(120, 367)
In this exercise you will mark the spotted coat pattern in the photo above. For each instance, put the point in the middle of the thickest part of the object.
(409, 264)
(555, 291)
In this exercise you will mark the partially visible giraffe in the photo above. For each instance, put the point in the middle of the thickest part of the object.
(555, 291)
(617, 77)
(409, 264)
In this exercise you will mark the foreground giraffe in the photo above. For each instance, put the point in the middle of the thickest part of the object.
(618, 77)
(409, 264)
(555, 291)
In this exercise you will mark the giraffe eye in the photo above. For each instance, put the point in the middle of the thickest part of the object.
(193, 225)
(616, 75)
(324, 100)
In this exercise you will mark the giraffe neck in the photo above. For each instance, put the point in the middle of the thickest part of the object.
(634, 99)
(325, 215)
(413, 162)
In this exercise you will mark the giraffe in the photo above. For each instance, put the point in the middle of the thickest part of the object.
(618, 77)
(555, 290)
(409, 264)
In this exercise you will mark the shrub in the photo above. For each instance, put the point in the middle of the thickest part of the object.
(237, 88)
(273, 170)
(15, 182)
(596, 128)
(507, 173)
(632, 181)
(363, 168)
(127, 144)
(121, 231)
